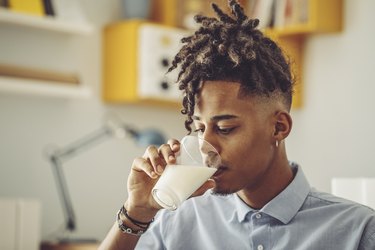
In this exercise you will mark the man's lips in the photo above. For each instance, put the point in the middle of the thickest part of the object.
(219, 172)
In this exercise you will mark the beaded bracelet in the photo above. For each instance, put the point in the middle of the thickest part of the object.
(125, 229)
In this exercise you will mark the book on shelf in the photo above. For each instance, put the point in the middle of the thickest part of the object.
(279, 13)
(4, 3)
(290, 12)
(48, 8)
(31, 7)
(263, 10)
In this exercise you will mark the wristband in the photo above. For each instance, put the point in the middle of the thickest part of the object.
(125, 229)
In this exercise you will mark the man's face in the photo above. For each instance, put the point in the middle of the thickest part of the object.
(241, 129)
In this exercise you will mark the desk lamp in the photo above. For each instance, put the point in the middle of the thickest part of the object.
(114, 127)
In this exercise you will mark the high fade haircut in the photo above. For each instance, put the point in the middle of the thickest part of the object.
(231, 48)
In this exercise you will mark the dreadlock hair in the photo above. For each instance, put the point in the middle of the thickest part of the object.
(231, 48)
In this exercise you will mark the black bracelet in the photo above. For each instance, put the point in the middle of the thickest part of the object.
(143, 225)
(125, 229)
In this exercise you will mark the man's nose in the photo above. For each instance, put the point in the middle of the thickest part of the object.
(210, 142)
(209, 153)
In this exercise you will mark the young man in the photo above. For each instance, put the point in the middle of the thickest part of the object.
(237, 95)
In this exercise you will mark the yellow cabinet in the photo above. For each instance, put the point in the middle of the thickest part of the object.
(136, 56)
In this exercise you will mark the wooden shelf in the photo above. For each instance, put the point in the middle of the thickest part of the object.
(44, 23)
(27, 25)
(43, 88)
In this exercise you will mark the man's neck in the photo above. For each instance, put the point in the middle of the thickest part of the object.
(278, 177)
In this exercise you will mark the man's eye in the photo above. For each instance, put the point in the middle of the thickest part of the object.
(225, 131)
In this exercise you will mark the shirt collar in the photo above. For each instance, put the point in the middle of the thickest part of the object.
(286, 204)
(242, 209)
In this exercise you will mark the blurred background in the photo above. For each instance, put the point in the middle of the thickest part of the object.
(61, 74)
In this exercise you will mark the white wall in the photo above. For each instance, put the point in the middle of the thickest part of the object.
(332, 134)
(97, 177)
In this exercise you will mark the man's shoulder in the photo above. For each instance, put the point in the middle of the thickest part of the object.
(328, 201)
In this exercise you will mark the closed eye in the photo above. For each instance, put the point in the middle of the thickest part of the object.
(225, 131)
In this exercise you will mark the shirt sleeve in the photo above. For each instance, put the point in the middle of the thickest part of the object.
(368, 239)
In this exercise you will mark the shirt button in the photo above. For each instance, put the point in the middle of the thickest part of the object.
(260, 247)
(258, 216)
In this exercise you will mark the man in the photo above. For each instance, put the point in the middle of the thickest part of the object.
(237, 95)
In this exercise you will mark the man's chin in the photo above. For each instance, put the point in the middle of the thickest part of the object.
(220, 192)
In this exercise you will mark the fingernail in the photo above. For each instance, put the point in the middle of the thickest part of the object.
(174, 146)
(160, 169)
(171, 158)
(153, 174)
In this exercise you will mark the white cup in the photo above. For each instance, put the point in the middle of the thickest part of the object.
(196, 162)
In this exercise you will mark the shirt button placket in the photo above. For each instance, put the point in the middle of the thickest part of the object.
(259, 230)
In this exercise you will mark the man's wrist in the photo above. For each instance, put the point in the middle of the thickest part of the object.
(140, 213)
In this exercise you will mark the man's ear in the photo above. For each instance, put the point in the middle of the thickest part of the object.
(282, 125)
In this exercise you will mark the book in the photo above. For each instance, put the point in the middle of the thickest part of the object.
(4, 3)
(32, 7)
(280, 13)
(263, 10)
(48, 8)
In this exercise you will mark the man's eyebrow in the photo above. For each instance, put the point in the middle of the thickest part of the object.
(217, 117)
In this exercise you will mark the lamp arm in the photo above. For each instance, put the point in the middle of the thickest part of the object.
(82, 144)
(114, 127)
(60, 155)
(70, 223)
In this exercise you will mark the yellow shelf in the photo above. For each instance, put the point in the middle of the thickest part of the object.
(323, 16)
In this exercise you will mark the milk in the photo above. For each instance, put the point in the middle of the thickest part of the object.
(178, 182)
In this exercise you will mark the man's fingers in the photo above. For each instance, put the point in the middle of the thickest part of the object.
(174, 144)
(158, 163)
(142, 165)
(167, 153)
